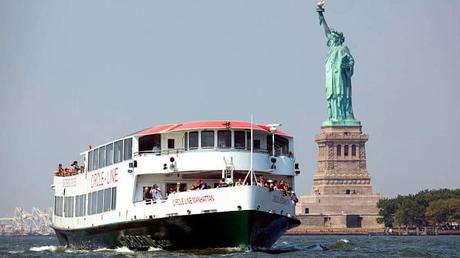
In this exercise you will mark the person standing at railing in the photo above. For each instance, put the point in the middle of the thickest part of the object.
(147, 193)
(156, 150)
(74, 167)
(157, 196)
(59, 170)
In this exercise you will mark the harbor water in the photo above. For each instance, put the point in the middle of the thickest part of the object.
(287, 246)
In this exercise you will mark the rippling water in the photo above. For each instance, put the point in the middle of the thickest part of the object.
(287, 246)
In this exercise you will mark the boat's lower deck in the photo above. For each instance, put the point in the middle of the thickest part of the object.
(246, 228)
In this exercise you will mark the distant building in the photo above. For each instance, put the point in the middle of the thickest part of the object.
(36, 222)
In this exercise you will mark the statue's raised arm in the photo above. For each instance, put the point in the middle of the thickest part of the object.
(322, 20)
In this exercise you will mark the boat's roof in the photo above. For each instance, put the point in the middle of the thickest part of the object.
(214, 124)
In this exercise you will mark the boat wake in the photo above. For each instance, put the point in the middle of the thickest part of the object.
(63, 249)
(122, 250)
(48, 248)
(341, 244)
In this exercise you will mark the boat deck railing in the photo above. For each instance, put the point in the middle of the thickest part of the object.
(278, 153)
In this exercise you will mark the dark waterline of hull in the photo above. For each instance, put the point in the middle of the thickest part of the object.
(244, 229)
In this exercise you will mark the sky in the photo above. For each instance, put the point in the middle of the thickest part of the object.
(74, 73)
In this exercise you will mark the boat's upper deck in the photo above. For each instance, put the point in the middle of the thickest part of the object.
(208, 138)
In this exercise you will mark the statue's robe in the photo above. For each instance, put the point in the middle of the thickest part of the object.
(339, 69)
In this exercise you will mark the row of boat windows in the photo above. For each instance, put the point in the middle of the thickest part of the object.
(109, 154)
(207, 139)
(75, 206)
(197, 139)
(224, 139)
(102, 200)
(242, 140)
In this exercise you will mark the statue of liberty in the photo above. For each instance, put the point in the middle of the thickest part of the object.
(339, 69)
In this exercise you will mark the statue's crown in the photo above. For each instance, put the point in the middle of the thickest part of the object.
(339, 35)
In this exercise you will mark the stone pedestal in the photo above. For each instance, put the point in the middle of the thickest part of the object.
(341, 194)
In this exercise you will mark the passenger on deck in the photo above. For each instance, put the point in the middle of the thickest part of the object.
(171, 190)
(147, 193)
(261, 182)
(222, 183)
(271, 185)
(280, 185)
(201, 184)
(286, 190)
(293, 195)
(239, 182)
(59, 170)
(74, 168)
(157, 196)
(156, 150)
(178, 187)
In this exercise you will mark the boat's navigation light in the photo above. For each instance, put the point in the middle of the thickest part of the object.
(133, 164)
(273, 160)
(297, 169)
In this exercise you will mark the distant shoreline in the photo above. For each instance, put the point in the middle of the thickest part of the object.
(372, 232)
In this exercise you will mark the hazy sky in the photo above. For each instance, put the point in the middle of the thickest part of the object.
(74, 73)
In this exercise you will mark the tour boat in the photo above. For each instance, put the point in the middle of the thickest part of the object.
(180, 186)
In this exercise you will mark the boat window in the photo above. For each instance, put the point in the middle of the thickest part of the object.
(58, 205)
(102, 157)
(240, 141)
(248, 140)
(114, 198)
(270, 144)
(90, 161)
(186, 141)
(100, 201)
(224, 139)
(55, 205)
(89, 204)
(353, 150)
(281, 145)
(339, 150)
(171, 144)
(128, 150)
(150, 143)
(207, 139)
(95, 159)
(84, 205)
(345, 150)
(256, 142)
(109, 154)
(107, 197)
(77, 206)
(256, 145)
(118, 151)
(68, 206)
(193, 140)
(80, 208)
(94, 203)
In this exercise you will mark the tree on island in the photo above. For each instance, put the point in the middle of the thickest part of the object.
(441, 212)
(426, 208)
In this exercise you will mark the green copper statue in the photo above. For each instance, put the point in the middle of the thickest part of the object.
(339, 69)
